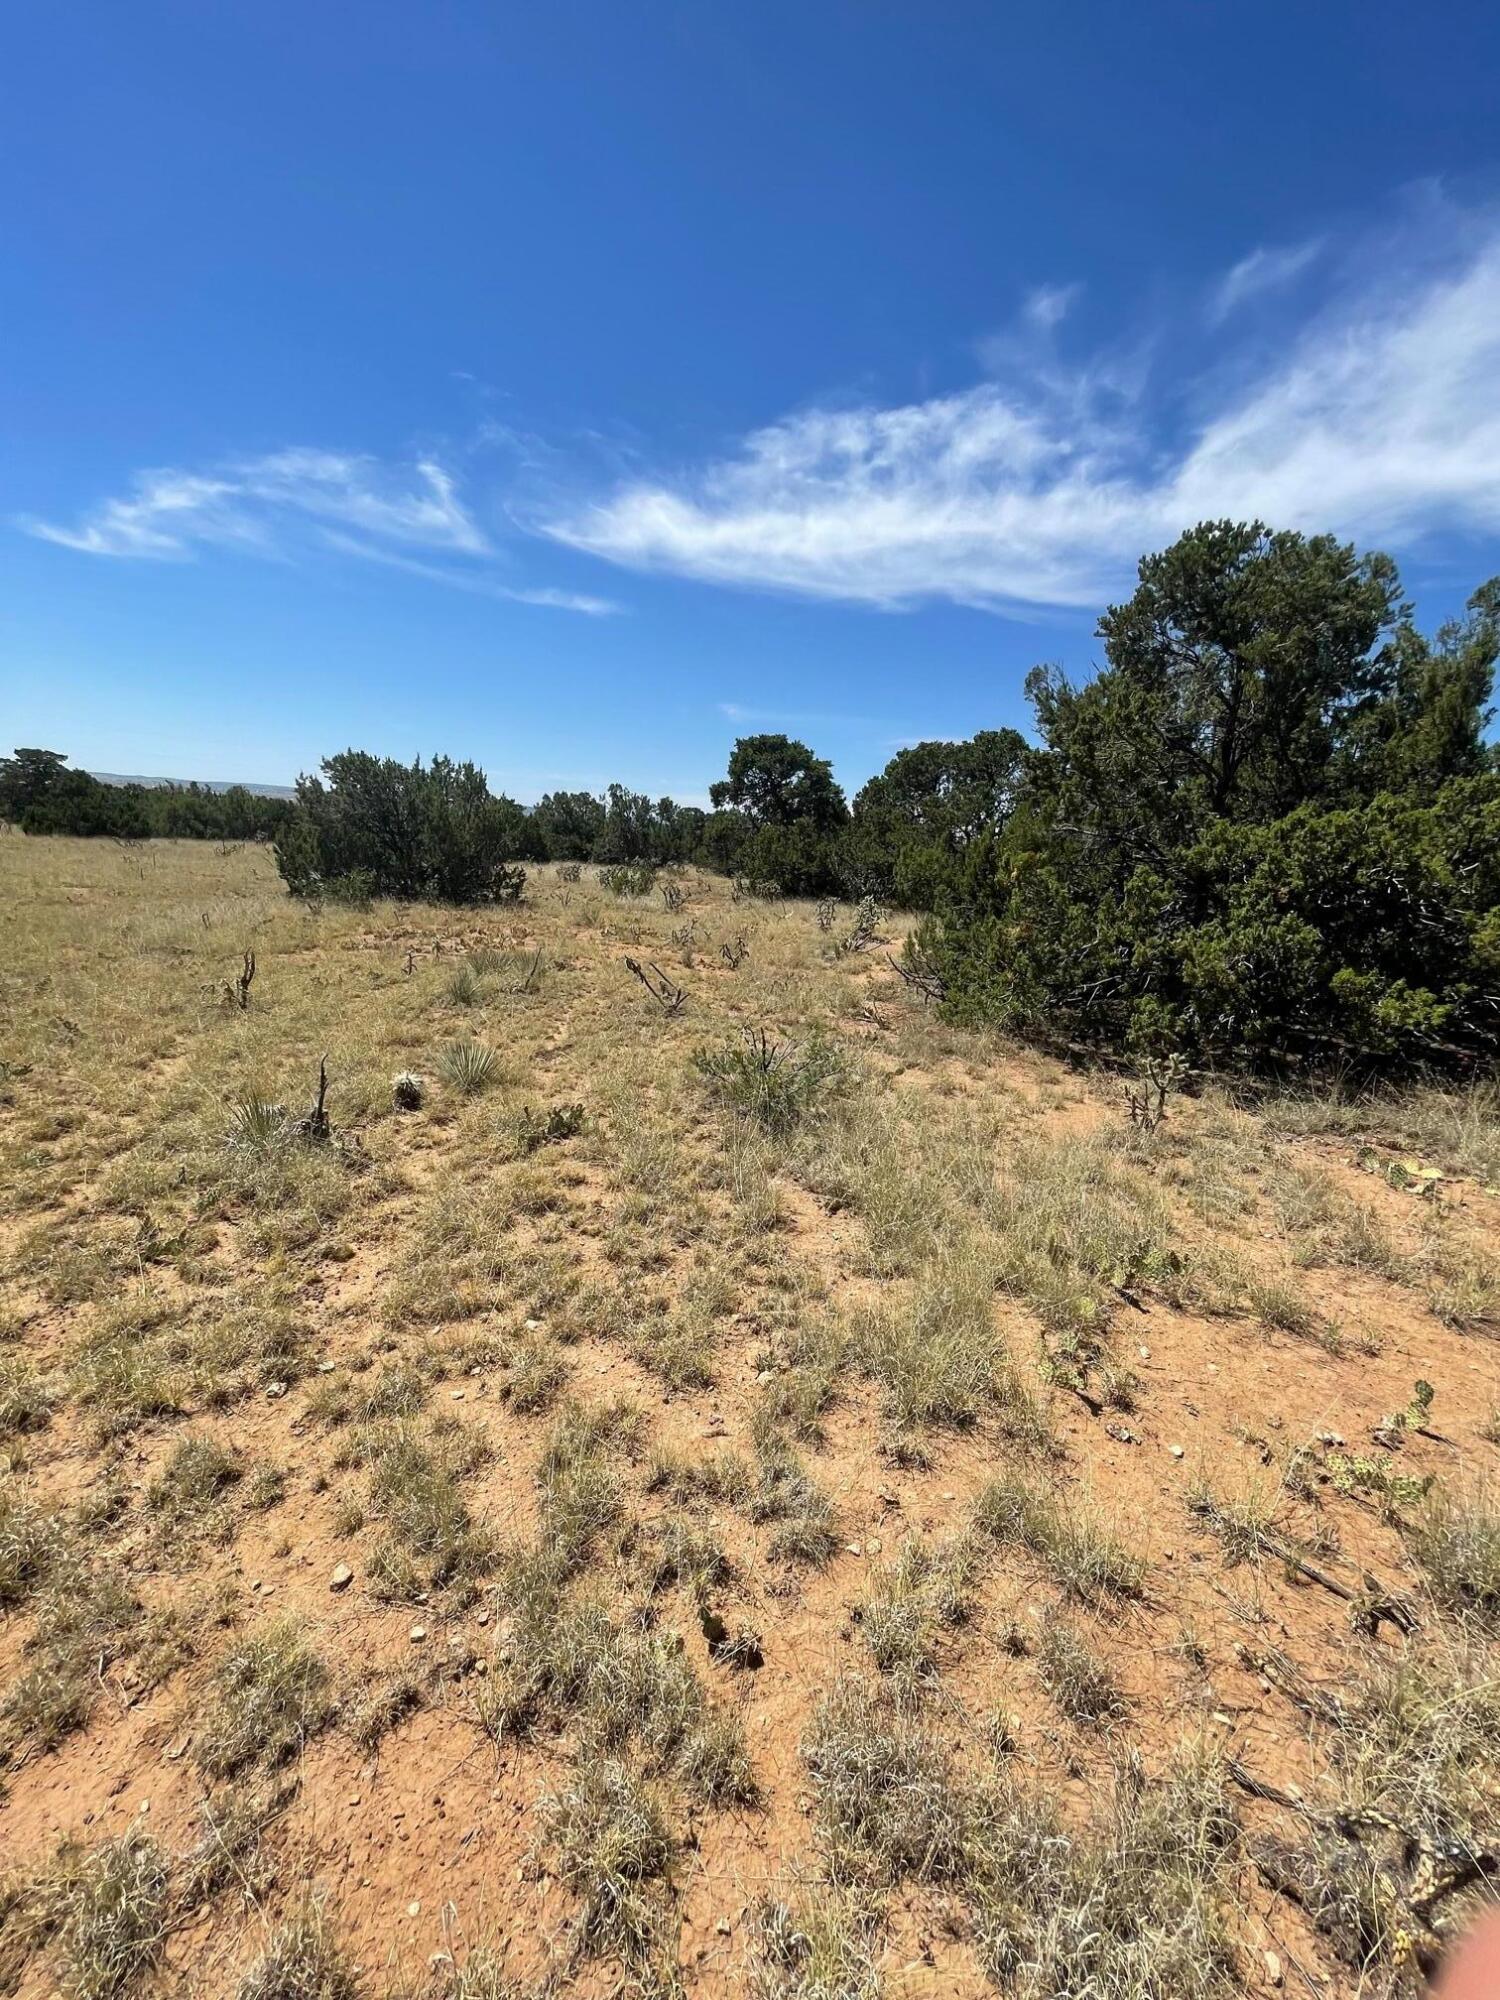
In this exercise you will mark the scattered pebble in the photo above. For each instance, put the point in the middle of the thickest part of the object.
(414, 1909)
(873, 1545)
(342, 1577)
(723, 1927)
(1177, 1451)
(855, 1548)
(1273, 1968)
(456, 1395)
(417, 1634)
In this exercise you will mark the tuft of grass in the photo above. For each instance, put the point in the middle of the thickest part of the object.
(467, 1067)
(415, 1488)
(825, 1947)
(25, 1398)
(889, 1806)
(1077, 1679)
(580, 1493)
(122, 1372)
(1138, 1908)
(268, 1697)
(1084, 1557)
(466, 988)
(1459, 1129)
(302, 1962)
(785, 1493)
(613, 1845)
(536, 1374)
(1456, 1541)
(914, 1599)
(109, 1909)
(198, 1474)
(620, 1686)
(31, 1541)
(84, 1623)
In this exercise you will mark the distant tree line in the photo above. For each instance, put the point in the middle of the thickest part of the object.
(1267, 829)
(40, 793)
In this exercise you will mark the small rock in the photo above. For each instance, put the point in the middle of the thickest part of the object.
(342, 1577)
(354, 1799)
(481, 1617)
(1273, 1968)
(414, 1909)
(855, 1548)
(1145, 1353)
(325, 1367)
(145, 1806)
(1220, 1715)
(723, 1927)
(417, 1634)
(275, 1389)
(872, 1543)
(456, 1395)
(766, 1375)
(1177, 1451)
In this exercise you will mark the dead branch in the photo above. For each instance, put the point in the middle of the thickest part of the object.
(929, 984)
(668, 995)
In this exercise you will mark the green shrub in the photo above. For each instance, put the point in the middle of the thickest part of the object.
(371, 826)
(1267, 830)
(628, 878)
(778, 1084)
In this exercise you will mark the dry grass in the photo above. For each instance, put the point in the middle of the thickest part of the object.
(604, 1358)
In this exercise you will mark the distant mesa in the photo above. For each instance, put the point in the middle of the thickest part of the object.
(206, 784)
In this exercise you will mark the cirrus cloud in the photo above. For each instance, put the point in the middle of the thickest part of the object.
(1379, 418)
(408, 517)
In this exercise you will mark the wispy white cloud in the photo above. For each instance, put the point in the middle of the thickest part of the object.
(1379, 419)
(252, 502)
(1266, 269)
(1047, 306)
(480, 582)
(407, 517)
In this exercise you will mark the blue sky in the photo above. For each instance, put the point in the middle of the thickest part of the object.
(577, 386)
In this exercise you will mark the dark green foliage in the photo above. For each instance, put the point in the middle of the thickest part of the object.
(430, 832)
(775, 781)
(567, 825)
(39, 793)
(924, 810)
(800, 859)
(1265, 830)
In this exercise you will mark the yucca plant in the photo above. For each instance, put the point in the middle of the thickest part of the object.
(464, 988)
(256, 1125)
(406, 1091)
(468, 1066)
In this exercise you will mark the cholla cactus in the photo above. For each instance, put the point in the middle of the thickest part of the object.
(406, 1091)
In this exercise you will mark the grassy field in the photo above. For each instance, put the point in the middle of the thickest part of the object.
(754, 1492)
